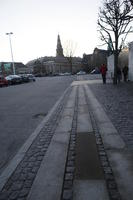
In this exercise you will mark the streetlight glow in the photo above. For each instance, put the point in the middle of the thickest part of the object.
(9, 34)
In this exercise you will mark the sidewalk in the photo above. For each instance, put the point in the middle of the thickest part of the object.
(74, 154)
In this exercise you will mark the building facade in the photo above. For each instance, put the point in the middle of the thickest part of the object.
(131, 61)
(55, 65)
(125, 59)
(6, 68)
(94, 60)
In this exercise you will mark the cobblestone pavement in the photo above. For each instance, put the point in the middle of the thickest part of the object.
(118, 104)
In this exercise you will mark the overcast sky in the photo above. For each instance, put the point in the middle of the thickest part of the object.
(36, 23)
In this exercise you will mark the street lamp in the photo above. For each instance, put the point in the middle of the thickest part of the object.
(9, 34)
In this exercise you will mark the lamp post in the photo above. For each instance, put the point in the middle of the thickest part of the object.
(9, 34)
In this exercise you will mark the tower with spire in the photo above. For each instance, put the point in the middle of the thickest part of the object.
(59, 49)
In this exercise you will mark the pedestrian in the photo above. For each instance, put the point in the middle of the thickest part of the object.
(125, 73)
(103, 70)
(119, 74)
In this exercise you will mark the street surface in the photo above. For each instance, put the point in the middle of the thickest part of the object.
(22, 108)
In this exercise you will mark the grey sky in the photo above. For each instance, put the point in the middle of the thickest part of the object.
(36, 23)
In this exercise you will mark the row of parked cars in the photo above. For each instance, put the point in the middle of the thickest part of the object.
(16, 79)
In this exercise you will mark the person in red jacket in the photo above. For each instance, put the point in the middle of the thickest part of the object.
(103, 71)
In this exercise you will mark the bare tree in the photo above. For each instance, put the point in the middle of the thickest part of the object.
(114, 25)
(131, 2)
(69, 50)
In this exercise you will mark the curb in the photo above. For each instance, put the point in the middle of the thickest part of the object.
(21, 153)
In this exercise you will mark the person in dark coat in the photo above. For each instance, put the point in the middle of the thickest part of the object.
(119, 74)
(125, 73)
(103, 71)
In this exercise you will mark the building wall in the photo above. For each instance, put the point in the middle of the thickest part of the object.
(6, 68)
(95, 60)
(131, 61)
(110, 65)
(54, 65)
(122, 61)
(123, 58)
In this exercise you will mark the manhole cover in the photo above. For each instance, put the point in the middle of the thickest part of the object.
(39, 115)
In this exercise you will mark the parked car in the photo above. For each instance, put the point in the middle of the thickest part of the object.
(13, 79)
(3, 81)
(95, 71)
(81, 73)
(31, 77)
(67, 74)
(24, 78)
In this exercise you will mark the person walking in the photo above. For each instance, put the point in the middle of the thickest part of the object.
(103, 71)
(119, 74)
(125, 73)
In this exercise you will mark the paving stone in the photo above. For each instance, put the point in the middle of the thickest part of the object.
(32, 159)
(111, 184)
(67, 195)
(4, 195)
(109, 177)
(16, 185)
(114, 195)
(34, 169)
(31, 176)
(70, 169)
(24, 164)
(104, 163)
(31, 164)
(22, 177)
(14, 195)
(68, 184)
(69, 176)
(28, 183)
(24, 192)
(39, 158)
(37, 163)
(107, 170)
(71, 163)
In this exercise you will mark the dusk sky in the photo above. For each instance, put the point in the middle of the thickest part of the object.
(36, 23)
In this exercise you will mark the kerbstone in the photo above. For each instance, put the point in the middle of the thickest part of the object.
(70, 103)
(122, 165)
(108, 132)
(49, 180)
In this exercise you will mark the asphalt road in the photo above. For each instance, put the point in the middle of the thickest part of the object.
(22, 107)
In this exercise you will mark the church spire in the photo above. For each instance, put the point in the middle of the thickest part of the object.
(59, 49)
